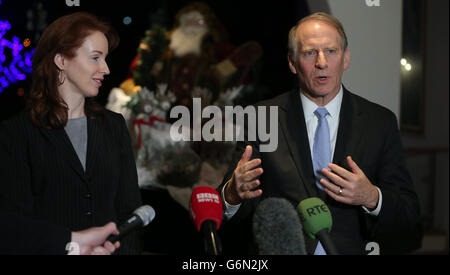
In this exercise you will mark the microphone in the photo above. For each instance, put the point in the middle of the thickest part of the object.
(206, 212)
(141, 218)
(277, 229)
(317, 222)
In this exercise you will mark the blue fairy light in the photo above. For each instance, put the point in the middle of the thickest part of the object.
(17, 64)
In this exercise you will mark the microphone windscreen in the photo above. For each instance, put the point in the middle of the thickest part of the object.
(315, 216)
(205, 205)
(146, 213)
(277, 229)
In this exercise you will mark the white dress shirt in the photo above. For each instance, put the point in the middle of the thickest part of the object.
(334, 109)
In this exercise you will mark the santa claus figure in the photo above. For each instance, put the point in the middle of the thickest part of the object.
(198, 60)
(193, 59)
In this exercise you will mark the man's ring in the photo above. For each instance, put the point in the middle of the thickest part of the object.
(340, 191)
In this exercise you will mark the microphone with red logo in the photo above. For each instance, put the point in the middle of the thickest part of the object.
(206, 212)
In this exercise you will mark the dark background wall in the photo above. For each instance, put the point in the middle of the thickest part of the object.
(427, 152)
(266, 22)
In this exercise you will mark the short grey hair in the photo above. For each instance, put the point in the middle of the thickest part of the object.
(319, 16)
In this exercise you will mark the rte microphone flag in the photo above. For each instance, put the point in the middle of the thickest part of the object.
(316, 219)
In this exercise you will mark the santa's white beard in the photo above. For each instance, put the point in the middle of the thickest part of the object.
(185, 42)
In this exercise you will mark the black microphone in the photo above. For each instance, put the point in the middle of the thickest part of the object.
(277, 229)
(141, 217)
(211, 240)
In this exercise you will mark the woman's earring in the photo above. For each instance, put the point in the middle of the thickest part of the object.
(63, 77)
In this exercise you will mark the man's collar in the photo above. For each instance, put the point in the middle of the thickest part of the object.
(333, 107)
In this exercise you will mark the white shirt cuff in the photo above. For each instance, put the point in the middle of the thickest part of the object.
(230, 210)
(377, 210)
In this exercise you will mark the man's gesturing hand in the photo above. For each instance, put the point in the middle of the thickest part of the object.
(243, 182)
(350, 187)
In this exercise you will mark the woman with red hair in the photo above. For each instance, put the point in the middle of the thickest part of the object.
(70, 161)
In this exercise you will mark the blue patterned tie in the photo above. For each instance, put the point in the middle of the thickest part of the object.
(321, 147)
(321, 155)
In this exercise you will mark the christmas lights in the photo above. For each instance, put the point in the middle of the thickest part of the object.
(17, 64)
